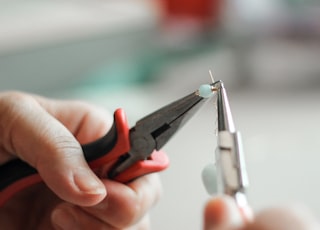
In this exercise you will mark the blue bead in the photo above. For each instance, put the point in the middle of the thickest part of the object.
(205, 91)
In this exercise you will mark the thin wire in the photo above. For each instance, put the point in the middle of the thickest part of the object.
(211, 76)
(216, 108)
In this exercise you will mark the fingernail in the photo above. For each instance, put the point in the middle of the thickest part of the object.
(63, 219)
(88, 183)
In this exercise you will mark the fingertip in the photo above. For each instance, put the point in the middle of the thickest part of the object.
(214, 211)
(68, 175)
(90, 187)
(222, 212)
(79, 186)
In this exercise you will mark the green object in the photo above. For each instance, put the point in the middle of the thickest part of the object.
(209, 179)
(205, 91)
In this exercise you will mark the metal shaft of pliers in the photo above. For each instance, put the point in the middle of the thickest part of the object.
(229, 155)
(154, 131)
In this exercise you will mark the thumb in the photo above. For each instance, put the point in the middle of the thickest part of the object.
(39, 139)
(222, 213)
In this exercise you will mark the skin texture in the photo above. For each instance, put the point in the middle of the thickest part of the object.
(222, 213)
(47, 134)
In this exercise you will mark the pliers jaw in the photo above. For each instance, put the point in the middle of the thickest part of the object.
(232, 176)
(152, 132)
(225, 120)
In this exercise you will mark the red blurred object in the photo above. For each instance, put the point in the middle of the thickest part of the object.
(202, 11)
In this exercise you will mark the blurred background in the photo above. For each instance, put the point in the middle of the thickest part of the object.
(141, 55)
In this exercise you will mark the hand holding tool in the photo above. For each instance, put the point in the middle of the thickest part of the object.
(123, 154)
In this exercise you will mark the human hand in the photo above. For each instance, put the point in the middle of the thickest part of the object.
(222, 213)
(47, 134)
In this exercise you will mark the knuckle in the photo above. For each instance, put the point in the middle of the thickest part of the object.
(61, 148)
(13, 106)
(67, 144)
(14, 100)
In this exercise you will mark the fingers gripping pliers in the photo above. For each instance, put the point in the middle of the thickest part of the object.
(123, 154)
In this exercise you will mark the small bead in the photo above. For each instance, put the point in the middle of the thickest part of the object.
(209, 179)
(205, 91)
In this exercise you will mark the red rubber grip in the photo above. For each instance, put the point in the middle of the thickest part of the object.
(157, 162)
(102, 165)
(14, 188)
